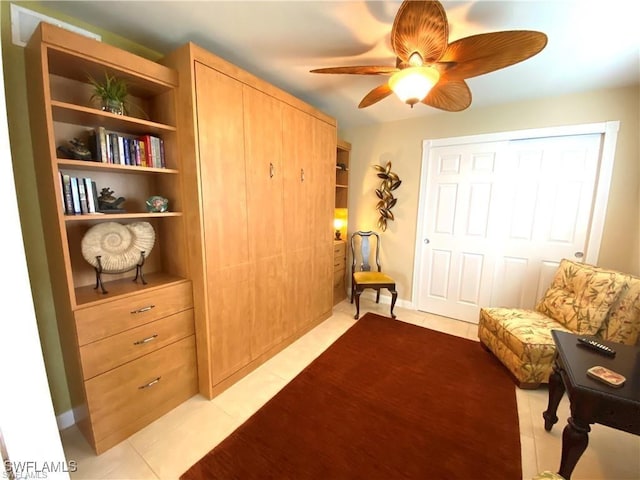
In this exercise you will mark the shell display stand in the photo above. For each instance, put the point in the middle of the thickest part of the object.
(114, 248)
(100, 271)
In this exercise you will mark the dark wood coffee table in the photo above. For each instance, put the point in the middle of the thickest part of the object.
(590, 400)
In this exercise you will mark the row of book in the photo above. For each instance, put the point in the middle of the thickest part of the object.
(79, 195)
(113, 147)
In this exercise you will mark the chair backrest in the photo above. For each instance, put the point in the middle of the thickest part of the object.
(365, 251)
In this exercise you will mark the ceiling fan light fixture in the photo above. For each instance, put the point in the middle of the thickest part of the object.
(412, 84)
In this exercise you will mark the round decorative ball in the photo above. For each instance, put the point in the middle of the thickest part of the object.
(119, 246)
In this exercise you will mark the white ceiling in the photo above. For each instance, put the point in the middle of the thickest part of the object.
(592, 44)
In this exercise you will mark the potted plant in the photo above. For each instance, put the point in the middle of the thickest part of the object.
(112, 93)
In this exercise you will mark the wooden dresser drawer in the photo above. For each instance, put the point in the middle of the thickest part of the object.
(111, 352)
(123, 400)
(339, 249)
(100, 321)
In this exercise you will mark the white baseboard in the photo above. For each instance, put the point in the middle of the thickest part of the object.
(65, 420)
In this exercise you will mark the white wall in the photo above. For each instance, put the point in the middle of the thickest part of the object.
(27, 420)
(401, 143)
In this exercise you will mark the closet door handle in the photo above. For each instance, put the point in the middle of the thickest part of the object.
(302, 174)
(271, 170)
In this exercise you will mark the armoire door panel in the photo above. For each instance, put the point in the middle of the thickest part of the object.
(222, 167)
(264, 172)
(299, 288)
(231, 310)
(297, 148)
(324, 178)
(323, 183)
(269, 322)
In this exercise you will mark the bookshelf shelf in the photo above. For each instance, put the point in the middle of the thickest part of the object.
(119, 216)
(99, 166)
(80, 114)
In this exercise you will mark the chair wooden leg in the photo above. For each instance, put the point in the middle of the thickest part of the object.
(357, 315)
(394, 297)
(353, 288)
(378, 295)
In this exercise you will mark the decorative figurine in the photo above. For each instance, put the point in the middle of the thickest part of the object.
(107, 203)
(390, 181)
(156, 204)
(77, 151)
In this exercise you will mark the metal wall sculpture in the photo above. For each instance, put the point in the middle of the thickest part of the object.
(390, 182)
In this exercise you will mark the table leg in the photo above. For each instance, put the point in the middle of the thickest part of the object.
(556, 391)
(575, 439)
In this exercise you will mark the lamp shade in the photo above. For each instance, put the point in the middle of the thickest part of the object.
(412, 84)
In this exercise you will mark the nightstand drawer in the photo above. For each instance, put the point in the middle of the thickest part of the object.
(339, 250)
(111, 352)
(101, 321)
(125, 399)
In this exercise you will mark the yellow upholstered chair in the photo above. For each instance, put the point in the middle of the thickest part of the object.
(582, 299)
(365, 254)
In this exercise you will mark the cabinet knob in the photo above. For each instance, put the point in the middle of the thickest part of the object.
(271, 170)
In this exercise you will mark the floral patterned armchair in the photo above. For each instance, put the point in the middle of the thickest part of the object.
(582, 299)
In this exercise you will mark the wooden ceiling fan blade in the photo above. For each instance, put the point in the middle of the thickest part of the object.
(375, 95)
(451, 96)
(358, 70)
(420, 26)
(487, 52)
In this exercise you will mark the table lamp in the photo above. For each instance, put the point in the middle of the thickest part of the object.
(338, 223)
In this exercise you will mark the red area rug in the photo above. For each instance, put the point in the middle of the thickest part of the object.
(388, 400)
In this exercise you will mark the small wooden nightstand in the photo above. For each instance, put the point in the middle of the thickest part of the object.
(339, 270)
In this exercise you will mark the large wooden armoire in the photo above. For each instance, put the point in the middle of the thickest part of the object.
(259, 175)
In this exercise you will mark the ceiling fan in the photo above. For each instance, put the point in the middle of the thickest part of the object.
(431, 70)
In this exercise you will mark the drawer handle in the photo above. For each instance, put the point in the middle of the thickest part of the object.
(146, 340)
(143, 309)
(150, 384)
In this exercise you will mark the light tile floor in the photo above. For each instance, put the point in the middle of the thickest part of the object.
(170, 445)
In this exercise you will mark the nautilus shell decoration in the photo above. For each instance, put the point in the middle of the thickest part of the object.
(390, 181)
(115, 248)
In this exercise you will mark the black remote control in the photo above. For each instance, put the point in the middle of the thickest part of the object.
(598, 347)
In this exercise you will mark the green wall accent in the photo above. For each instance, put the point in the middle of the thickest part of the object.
(24, 172)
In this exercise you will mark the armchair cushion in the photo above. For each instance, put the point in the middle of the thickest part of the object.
(521, 339)
(623, 322)
(580, 297)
